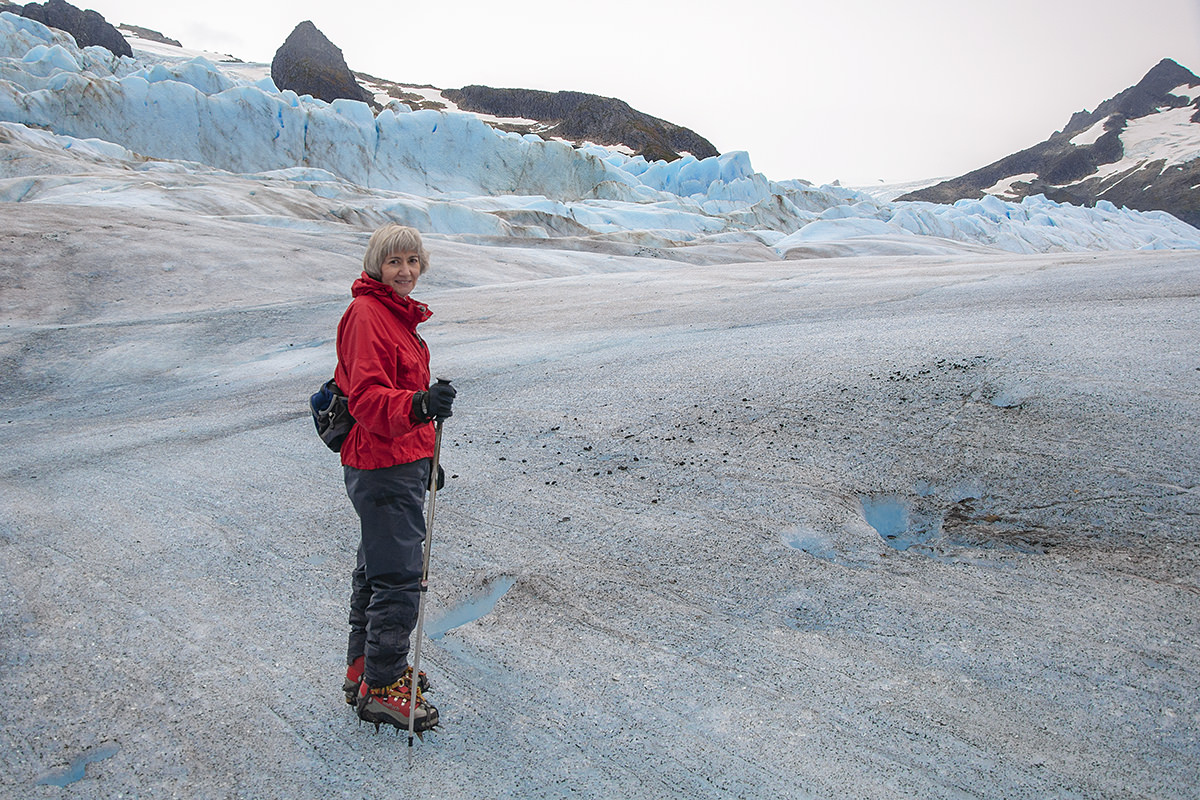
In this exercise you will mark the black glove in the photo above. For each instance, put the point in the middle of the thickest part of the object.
(434, 404)
(441, 397)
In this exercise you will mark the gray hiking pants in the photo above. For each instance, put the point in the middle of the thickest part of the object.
(385, 588)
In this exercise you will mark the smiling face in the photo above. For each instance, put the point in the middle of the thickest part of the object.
(400, 271)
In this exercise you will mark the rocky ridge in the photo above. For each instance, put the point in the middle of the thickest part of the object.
(578, 116)
(148, 35)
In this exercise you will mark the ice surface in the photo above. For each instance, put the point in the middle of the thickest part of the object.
(667, 459)
(660, 454)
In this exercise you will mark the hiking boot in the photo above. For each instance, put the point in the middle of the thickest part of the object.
(390, 705)
(354, 674)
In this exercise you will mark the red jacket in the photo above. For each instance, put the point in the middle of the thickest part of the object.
(382, 363)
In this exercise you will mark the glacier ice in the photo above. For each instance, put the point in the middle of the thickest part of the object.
(434, 169)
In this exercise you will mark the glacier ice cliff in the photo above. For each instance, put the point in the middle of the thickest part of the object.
(451, 173)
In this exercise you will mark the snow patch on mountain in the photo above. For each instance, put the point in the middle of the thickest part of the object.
(1169, 136)
(1004, 187)
(1089, 137)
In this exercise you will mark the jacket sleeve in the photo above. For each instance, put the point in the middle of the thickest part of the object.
(368, 357)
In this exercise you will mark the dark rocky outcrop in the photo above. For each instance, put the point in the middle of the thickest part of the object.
(1062, 169)
(148, 35)
(308, 63)
(88, 27)
(578, 117)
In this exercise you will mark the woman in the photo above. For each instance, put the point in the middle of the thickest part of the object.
(383, 368)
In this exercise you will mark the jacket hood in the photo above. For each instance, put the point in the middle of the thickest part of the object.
(413, 311)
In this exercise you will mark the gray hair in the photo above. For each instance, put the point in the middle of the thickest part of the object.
(392, 238)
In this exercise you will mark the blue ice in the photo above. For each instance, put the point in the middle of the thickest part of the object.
(473, 609)
(77, 768)
(891, 518)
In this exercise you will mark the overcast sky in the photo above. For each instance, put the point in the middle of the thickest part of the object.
(859, 90)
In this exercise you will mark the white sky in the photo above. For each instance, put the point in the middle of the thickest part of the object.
(860, 90)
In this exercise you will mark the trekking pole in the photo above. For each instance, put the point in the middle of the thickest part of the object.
(416, 648)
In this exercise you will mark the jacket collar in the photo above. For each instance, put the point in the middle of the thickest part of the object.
(406, 308)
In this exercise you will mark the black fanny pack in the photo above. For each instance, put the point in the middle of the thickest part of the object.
(331, 415)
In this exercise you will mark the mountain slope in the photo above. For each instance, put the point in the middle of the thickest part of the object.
(1139, 149)
(587, 117)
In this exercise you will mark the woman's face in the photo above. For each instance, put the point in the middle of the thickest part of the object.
(400, 271)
